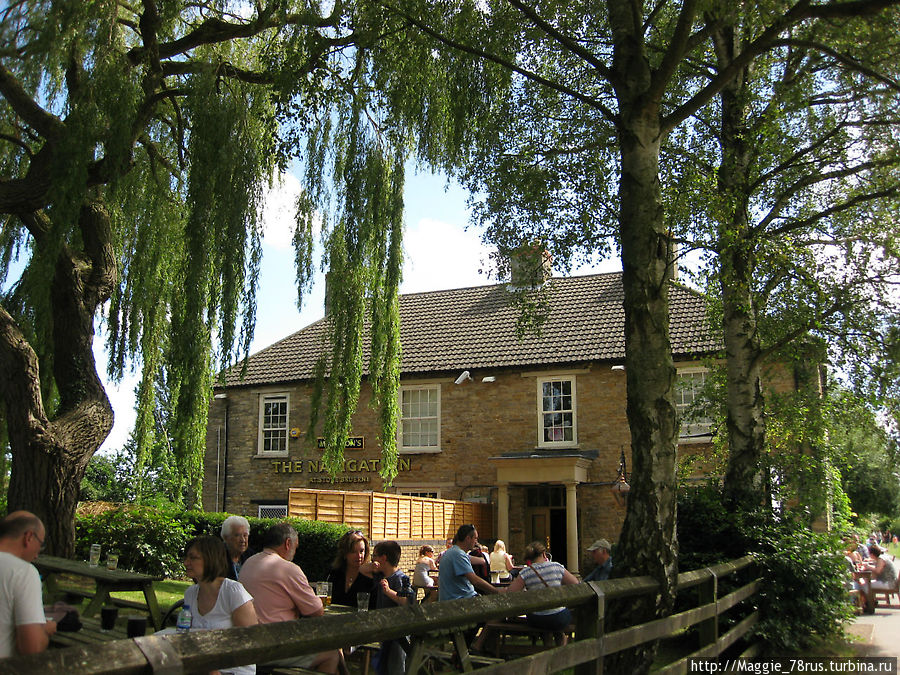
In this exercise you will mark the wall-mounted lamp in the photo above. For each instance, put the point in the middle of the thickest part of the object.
(220, 396)
(619, 367)
(621, 488)
(489, 378)
(464, 377)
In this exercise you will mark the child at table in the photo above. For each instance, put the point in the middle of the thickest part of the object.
(392, 588)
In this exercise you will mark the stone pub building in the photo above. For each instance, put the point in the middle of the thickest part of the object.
(533, 424)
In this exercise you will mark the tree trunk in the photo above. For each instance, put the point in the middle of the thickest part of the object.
(744, 477)
(51, 448)
(647, 544)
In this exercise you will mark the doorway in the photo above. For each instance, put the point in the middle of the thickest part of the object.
(546, 519)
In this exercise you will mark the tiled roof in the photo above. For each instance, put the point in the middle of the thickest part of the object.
(475, 329)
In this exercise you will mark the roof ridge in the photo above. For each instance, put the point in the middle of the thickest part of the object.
(506, 283)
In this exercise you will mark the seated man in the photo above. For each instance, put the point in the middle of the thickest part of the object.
(599, 551)
(236, 535)
(23, 628)
(281, 592)
(456, 578)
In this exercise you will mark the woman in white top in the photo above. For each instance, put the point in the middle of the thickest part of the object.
(424, 564)
(216, 602)
(542, 573)
(501, 561)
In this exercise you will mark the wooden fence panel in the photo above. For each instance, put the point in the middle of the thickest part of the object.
(389, 516)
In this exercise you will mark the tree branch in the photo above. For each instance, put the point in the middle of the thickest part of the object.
(503, 63)
(47, 124)
(567, 42)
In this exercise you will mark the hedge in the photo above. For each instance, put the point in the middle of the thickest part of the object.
(151, 540)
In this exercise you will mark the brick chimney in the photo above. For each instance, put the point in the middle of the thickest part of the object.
(530, 265)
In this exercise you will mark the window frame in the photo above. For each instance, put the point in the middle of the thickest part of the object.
(418, 449)
(418, 492)
(260, 440)
(562, 377)
(684, 437)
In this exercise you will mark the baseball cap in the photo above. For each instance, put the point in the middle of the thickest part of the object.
(600, 543)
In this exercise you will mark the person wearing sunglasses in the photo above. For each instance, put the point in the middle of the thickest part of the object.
(23, 627)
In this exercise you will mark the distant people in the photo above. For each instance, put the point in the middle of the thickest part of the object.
(884, 573)
(392, 589)
(853, 584)
(215, 601)
(456, 578)
(447, 546)
(281, 592)
(236, 535)
(424, 564)
(351, 572)
(501, 561)
(542, 573)
(23, 628)
(861, 549)
(599, 551)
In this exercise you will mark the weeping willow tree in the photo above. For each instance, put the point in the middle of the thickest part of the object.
(136, 144)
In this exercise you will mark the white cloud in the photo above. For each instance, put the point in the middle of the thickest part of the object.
(440, 255)
(278, 211)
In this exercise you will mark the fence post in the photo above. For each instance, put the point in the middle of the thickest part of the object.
(589, 619)
(708, 593)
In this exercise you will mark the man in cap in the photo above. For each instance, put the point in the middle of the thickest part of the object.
(599, 551)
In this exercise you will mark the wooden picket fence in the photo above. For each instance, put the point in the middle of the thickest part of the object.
(202, 651)
(387, 516)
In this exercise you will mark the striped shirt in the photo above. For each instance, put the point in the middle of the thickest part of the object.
(551, 572)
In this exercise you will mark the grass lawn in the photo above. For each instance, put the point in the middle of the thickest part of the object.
(167, 591)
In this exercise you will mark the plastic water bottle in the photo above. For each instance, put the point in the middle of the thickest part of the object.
(183, 625)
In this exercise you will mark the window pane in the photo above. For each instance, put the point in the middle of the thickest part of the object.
(419, 413)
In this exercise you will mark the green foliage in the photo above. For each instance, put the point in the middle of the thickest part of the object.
(148, 540)
(802, 596)
(121, 477)
(152, 540)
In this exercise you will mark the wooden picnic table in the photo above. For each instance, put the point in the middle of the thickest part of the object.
(106, 581)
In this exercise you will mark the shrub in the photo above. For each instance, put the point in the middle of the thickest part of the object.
(151, 540)
(803, 595)
(148, 540)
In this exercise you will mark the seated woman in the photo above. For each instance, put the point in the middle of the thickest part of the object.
(351, 572)
(216, 602)
(542, 573)
(884, 573)
(501, 561)
(424, 564)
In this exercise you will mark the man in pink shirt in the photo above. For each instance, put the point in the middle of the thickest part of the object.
(281, 592)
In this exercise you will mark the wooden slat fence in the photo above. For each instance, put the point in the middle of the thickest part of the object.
(388, 516)
(202, 651)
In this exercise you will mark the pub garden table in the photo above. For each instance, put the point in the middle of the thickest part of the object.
(106, 582)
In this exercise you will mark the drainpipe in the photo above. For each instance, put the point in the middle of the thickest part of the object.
(224, 457)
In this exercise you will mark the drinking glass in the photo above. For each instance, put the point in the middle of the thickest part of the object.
(362, 602)
(112, 560)
(324, 592)
(108, 618)
(95, 555)
(137, 626)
